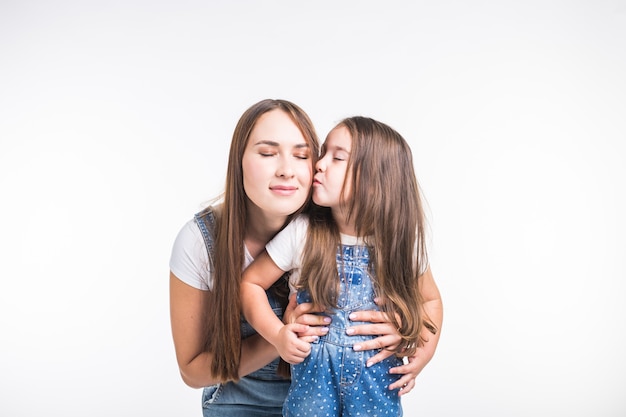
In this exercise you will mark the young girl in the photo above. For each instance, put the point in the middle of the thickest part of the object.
(365, 240)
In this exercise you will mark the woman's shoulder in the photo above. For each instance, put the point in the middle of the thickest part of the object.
(189, 234)
(296, 227)
(301, 219)
(189, 260)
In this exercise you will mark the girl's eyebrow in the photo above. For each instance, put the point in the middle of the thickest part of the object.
(339, 148)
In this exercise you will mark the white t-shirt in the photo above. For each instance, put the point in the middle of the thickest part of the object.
(189, 260)
(287, 247)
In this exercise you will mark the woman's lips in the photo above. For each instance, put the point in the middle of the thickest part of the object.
(284, 189)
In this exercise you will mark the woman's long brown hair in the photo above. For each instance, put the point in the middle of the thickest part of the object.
(223, 313)
(386, 208)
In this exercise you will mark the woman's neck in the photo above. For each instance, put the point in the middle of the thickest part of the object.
(260, 229)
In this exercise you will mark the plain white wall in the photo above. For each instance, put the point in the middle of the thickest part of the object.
(115, 120)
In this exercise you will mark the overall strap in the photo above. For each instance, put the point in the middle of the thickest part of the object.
(205, 220)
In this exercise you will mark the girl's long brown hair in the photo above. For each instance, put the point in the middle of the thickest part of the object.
(223, 313)
(386, 208)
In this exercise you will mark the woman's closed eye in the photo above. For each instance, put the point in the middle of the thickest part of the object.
(267, 150)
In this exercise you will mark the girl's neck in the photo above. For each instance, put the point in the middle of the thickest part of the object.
(345, 227)
(260, 228)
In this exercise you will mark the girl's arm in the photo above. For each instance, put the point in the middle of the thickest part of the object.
(187, 306)
(258, 277)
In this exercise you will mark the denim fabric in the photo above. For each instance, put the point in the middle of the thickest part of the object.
(333, 380)
(249, 397)
(259, 394)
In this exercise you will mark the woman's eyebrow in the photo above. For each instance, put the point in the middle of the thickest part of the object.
(266, 142)
(276, 144)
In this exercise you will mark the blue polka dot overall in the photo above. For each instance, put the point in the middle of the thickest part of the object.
(333, 380)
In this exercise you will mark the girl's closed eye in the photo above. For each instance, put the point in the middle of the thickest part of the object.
(340, 156)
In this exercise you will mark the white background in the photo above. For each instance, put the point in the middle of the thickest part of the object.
(115, 121)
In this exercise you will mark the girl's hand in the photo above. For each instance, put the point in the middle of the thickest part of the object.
(303, 314)
(290, 346)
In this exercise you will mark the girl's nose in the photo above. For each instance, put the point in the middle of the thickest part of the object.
(320, 166)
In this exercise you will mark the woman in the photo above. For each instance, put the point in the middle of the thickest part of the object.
(269, 176)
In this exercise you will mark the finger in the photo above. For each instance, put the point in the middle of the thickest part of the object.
(293, 303)
(379, 357)
(313, 320)
(297, 328)
(300, 348)
(296, 354)
(309, 338)
(293, 359)
(407, 388)
(414, 366)
(314, 331)
(289, 315)
(401, 382)
(388, 342)
(306, 308)
(403, 385)
(372, 316)
(301, 308)
(373, 330)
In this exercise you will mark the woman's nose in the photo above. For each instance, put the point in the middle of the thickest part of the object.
(285, 169)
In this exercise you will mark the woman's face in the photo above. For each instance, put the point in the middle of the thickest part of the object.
(277, 170)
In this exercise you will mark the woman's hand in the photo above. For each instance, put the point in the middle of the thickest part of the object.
(379, 325)
(303, 314)
(413, 365)
(387, 341)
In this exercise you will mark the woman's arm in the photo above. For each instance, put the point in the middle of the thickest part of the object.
(187, 306)
(433, 307)
(257, 277)
(389, 338)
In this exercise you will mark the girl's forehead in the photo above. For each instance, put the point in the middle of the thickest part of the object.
(339, 138)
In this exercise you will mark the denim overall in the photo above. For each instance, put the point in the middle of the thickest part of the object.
(333, 380)
(259, 394)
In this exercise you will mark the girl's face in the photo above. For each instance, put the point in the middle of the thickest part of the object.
(276, 165)
(331, 169)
